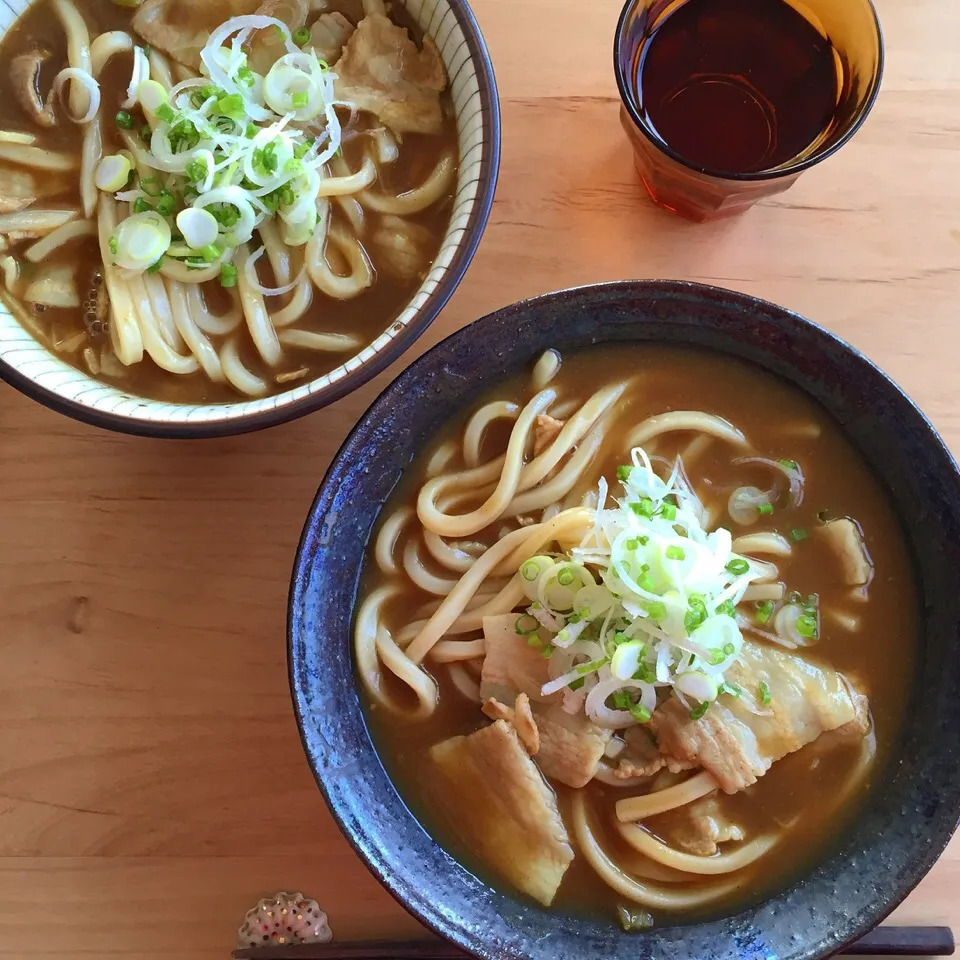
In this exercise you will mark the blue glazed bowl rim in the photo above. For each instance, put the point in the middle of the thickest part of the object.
(402, 884)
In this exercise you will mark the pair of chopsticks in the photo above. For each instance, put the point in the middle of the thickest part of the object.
(882, 942)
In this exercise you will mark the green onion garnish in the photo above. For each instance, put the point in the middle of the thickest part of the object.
(730, 688)
(584, 668)
(727, 609)
(729, 649)
(547, 651)
(534, 641)
(764, 611)
(697, 712)
(789, 464)
(165, 113)
(232, 106)
(765, 509)
(807, 626)
(621, 699)
(155, 266)
(530, 571)
(623, 473)
(764, 690)
(141, 206)
(114, 245)
(301, 36)
(300, 99)
(657, 610)
(145, 132)
(798, 535)
(640, 713)
(166, 204)
(668, 511)
(576, 684)
(565, 577)
(525, 625)
(738, 566)
(675, 553)
(717, 657)
(124, 120)
(228, 275)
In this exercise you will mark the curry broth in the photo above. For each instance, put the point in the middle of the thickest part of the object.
(366, 316)
(800, 789)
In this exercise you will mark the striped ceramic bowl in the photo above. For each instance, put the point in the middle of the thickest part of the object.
(34, 370)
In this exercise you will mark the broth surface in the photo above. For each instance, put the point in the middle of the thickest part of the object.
(64, 330)
(798, 798)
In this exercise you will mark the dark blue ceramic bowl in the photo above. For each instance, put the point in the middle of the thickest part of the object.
(908, 820)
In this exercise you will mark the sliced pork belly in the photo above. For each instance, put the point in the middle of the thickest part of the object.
(381, 70)
(700, 827)
(570, 745)
(503, 809)
(738, 739)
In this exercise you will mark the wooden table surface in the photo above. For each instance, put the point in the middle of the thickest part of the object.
(152, 785)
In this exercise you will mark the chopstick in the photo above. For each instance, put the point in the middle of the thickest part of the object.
(882, 942)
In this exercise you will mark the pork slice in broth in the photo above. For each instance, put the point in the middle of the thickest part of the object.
(382, 71)
(739, 738)
(703, 827)
(641, 758)
(502, 808)
(571, 746)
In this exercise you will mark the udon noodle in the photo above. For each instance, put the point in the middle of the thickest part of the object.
(670, 622)
(216, 201)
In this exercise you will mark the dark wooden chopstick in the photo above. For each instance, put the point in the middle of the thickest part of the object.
(882, 942)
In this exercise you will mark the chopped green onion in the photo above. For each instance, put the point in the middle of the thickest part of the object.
(530, 571)
(232, 106)
(764, 690)
(584, 668)
(765, 509)
(124, 120)
(141, 206)
(619, 638)
(668, 511)
(151, 186)
(114, 245)
(210, 252)
(798, 535)
(807, 626)
(565, 577)
(729, 649)
(675, 553)
(147, 49)
(730, 688)
(621, 699)
(547, 651)
(657, 610)
(301, 36)
(155, 267)
(697, 712)
(166, 204)
(644, 508)
(738, 566)
(623, 473)
(727, 608)
(228, 275)
(534, 641)
(524, 624)
(166, 113)
(716, 657)
(696, 614)
(196, 169)
(246, 77)
(576, 684)
(640, 713)
(789, 464)
(764, 611)
(299, 100)
(145, 132)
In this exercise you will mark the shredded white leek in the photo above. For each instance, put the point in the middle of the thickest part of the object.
(645, 603)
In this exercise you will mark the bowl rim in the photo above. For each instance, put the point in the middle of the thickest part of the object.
(398, 884)
(787, 169)
(436, 300)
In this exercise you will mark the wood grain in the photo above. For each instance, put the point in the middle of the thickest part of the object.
(152, 785)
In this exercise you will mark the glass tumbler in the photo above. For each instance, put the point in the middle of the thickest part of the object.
(701, 193)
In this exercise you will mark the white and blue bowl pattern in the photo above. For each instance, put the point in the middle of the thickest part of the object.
(34, 370)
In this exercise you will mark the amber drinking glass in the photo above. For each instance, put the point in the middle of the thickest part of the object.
(728, 101)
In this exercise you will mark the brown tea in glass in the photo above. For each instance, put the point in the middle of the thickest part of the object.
(727, 101)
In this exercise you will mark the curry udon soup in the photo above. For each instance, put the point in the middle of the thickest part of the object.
(212, 200)
(637, 633)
